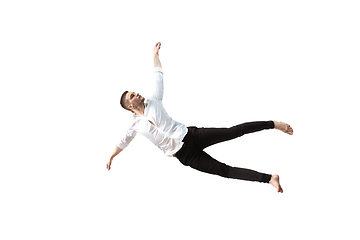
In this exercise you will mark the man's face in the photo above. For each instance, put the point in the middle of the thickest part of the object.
(134, 99)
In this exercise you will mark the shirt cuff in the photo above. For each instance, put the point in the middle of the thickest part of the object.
(121, 146)
(158, 69)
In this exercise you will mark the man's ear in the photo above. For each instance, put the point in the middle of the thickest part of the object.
(131, 107)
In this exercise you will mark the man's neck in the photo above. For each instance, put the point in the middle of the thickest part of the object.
(141, 110)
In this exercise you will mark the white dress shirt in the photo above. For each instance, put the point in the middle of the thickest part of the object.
(165, 133)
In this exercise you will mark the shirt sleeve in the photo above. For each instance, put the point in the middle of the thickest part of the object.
(158, 90)
(126, 140)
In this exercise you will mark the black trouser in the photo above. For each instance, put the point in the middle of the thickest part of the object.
(192, 154)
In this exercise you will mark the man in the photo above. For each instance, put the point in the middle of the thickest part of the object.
(150, 119)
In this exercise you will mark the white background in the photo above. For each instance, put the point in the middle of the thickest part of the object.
(64, 65)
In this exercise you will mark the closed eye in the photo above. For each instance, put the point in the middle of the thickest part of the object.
(132, 95)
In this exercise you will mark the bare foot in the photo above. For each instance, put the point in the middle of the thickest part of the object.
(286, 128)
(275, 181)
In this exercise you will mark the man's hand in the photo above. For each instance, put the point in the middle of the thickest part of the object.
(157, 62)
(157, 48)
(108, 165)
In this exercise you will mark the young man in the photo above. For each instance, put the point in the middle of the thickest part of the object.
(150, 119)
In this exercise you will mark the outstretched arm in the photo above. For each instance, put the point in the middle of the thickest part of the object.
(116, 152)
(125, 141)
(157, 62)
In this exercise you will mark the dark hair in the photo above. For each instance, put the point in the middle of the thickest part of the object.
(123, 102)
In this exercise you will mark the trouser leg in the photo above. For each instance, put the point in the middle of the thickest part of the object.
(205, 163)
(248, 175)
(205, 137)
